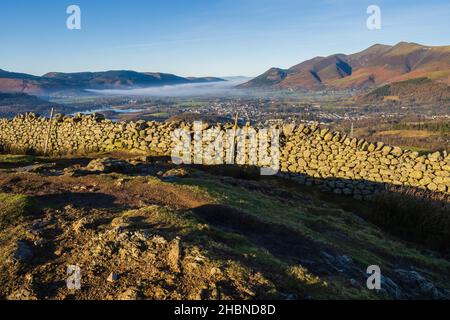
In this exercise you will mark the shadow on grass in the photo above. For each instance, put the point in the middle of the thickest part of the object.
(86, 200)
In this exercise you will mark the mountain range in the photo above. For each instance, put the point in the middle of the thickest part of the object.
(377, 65)
(373, 67)
(62, 82)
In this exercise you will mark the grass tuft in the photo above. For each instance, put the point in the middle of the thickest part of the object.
(13, 207)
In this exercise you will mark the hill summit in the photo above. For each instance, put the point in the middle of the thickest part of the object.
(376, 65)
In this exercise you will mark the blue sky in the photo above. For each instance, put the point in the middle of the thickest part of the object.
(204, 37)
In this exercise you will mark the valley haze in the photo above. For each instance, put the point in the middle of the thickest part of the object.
(215, 88)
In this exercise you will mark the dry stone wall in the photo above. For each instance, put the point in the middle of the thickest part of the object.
(356, 167)
(309, 154)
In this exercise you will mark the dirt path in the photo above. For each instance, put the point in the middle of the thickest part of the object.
(96, 192)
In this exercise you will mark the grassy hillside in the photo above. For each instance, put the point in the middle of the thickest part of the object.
(413, 91)
(167, 232)
(12, 104)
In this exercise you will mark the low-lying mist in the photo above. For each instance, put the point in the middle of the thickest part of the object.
(181, 90)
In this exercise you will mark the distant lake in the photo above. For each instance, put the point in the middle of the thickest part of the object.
(130, 110)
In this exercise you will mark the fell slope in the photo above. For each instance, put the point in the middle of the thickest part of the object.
(418, 91)
(168, 232)
(13, 103)
(373, 66)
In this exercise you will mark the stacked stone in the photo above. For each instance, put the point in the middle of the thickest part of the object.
(309, 154)
(320, 155)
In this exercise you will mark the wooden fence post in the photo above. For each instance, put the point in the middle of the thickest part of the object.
(49, 131)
